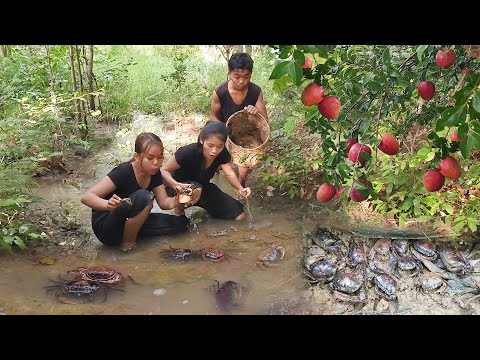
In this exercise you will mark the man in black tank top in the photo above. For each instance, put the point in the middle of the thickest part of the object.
(238, 93)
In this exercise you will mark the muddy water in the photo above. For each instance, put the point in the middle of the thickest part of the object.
(165, 286)
(186, 283)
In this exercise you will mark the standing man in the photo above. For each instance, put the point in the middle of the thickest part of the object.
(238, 93)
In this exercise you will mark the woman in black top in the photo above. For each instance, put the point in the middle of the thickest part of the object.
(122, 201)
(197, 163)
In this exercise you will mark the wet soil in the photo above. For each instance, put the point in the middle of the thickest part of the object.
(168, 286)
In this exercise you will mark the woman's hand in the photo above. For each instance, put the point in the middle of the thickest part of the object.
(114, 202)
(194, 198)
(245, 192)
(181, 187)
(188, 194)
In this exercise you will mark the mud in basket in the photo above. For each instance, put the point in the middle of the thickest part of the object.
(247, 137)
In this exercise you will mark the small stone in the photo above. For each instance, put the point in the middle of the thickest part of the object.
(185, 302)
(159, 292)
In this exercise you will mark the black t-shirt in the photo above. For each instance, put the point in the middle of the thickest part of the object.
(124, 179)
(228, 107)
(191, 161)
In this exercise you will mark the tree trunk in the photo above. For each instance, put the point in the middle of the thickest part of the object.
(74, 81)
(50, 70)
(82, 103)
(90, 80)
(3, 50)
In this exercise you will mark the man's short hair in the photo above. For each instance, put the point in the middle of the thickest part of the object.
(239, 61)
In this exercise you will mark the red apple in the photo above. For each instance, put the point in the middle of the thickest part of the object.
(426, 89)
(433, 180)
(308, 63)
(354, 152)
(454, 136)
(450, 168)
(329, 107)
(355, 195)
(325, 192)
(312, 94)
(339, 192)
(388, 144)
(351, 142)
(467, 71)
(445, 59)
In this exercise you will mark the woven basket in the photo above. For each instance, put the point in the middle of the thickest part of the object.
(247, 137)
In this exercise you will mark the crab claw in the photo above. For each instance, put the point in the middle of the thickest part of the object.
(60, 295)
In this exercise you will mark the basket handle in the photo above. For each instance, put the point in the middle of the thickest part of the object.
(259, 114)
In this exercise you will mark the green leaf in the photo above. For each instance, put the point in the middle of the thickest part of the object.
(285, 53)
(307, 48)
(374, 86)
(279, 85)
(386, 56)
(290, 124)
(407, 204)
(343, 169)
(23, 228)
(8, 239)
(17, 240)
(389, 188)
(420, 50)
(472, 223)
(450, 117)
(472, 141)
(448, 208)
(476, 102)
(299, 57)
(430, 156)
(295, 72)
(423, 152)
(310, 112)
(280, 70)
(462, 95)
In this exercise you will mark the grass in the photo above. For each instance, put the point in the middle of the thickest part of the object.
(172, 79)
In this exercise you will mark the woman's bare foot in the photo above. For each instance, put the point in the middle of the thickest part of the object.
(127, 246)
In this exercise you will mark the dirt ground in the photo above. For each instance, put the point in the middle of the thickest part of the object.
(68, 224)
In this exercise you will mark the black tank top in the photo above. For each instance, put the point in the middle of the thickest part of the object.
(228, 106)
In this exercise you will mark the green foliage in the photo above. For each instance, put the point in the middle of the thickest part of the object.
(377, 88)
(68, 216)
(14, 198)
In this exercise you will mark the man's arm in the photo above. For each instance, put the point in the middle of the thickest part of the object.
(215, 107)
(260, 105)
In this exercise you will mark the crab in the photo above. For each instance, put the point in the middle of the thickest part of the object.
(185, 195)
(356, 255)
(324, 238)
(177, 253)
(271, 255)
(321, 271)
(400, 247)
(408, 262)
(455, 262)
(79, 288)
(349, 287)
(229, 294)
(380, 258)
(426, 249)
(385, 286)
(100, 275)
(215, 255)
(431, 283)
